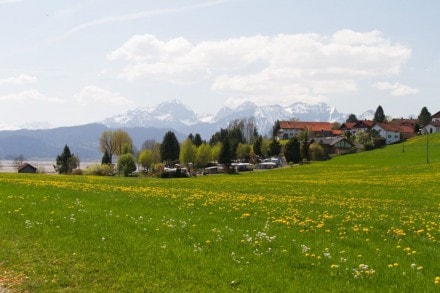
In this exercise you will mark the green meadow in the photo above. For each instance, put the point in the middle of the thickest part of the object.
(362, 222)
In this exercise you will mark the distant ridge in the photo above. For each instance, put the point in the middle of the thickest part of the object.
(82, 140)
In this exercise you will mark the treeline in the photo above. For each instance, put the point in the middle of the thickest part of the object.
(239, 142)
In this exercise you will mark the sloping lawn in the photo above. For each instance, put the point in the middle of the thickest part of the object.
(366, 222)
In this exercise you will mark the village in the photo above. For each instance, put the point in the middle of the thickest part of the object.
(336, 139)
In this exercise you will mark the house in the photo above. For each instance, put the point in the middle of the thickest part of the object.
(289, 129)
(27, 168)
(405, 122)
(436, 117)
(390, 132)
(407, 127)
(347, 127)
(362, 125)
(334, 145)
(432, 127)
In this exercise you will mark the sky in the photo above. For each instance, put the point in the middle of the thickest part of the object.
(73, 62)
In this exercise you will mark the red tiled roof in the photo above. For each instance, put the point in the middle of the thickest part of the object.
(362, 123)
(395, 127)
(348, 125)
(312, 126)
(407, 122)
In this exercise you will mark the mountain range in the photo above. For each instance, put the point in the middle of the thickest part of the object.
(152, 123)
(175, 115)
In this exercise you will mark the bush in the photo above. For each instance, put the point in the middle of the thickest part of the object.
(77, 172)
(100, 170)
(379, 142)
(368, 146)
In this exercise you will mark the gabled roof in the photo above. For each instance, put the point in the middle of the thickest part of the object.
(330, 140)
(348, 125)
(395, 127)
(388, 126)
(25, 165)
(312, 126)
(364, 124)
(436, 115)
(402, 121)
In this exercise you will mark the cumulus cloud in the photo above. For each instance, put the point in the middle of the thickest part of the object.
(18, 80)
(29, 96)
(91, 95)
(270, 69)
(396, 89)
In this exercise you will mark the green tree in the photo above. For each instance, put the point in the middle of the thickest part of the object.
(226, 154)
(265, 147)
(127, 149)
(215, 152)
(274, 148)
(425, 117)
(198, 140)
(316, 152)
(203, 155)
(243, 151)
(352, 119)
(362, 137)
(170, 148)
(146, 159)
(305, 146)
(126, 164)
(292, 150)
(113, 142)
(379, 115)
(188, 152)
(66, 161)
(257, 146)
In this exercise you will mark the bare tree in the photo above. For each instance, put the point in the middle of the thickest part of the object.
(114, 141)
(18, 161)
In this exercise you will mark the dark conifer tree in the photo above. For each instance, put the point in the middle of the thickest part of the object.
(425, 117)
(292, 150)
(352, 119)
(170, 148)
(379, 115)
(106, 158)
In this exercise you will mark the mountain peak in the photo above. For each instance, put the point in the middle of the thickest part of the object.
(176, 115)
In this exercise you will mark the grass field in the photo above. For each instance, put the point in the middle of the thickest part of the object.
(368, 222)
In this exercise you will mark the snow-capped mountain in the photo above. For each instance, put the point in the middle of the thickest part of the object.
(171, 113)
(367, 115)
(174, 114)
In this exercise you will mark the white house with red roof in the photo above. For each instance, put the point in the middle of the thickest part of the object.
(434, 126)
(288, 129)
(390, 132)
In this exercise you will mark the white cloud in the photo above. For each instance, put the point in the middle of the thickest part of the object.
(19, 80)
(29, 96)
(95, 96)
(395, 89)
(271, 69)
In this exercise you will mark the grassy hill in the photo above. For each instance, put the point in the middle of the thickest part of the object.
(367, 222)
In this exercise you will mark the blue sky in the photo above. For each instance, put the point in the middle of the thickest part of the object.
(80, 61)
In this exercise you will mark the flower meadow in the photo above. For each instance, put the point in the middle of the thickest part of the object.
(364, 222)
